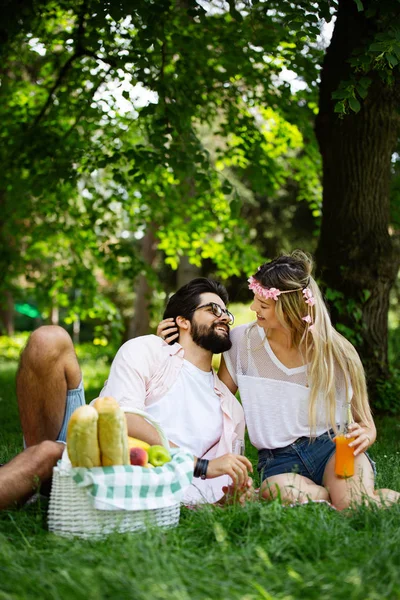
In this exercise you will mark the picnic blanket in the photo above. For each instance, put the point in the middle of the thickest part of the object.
(129, 487)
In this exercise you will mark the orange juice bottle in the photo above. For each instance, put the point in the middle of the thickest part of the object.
(344, 459)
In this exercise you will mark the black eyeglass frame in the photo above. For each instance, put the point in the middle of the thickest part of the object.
(218, 311)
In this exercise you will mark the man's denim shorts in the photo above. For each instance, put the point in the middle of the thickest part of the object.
(304, 457)
(75, 398)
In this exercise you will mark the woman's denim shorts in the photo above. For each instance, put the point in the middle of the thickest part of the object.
(304, 457)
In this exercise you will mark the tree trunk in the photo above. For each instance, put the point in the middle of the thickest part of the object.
(186, 271)
(5, 243)
(356, 255)
(140, 322)
(7, 313)
(76, 329)
(6, 299)
(54, 314)
(8, 258)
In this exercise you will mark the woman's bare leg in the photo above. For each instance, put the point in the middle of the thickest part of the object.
(357, 489)
(292, 488)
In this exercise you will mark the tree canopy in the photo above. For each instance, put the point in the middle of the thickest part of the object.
(191, 124)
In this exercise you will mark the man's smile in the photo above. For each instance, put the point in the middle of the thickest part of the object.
(223, 328)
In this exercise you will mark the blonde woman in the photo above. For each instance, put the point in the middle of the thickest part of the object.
(296, 375)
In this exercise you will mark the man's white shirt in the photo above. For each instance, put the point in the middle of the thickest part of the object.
(190, 405)
(194, 408)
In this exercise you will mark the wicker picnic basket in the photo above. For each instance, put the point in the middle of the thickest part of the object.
(72, 514)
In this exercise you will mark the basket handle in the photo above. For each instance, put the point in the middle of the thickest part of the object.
(152, 421)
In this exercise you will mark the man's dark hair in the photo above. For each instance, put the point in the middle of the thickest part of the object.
(185, 301)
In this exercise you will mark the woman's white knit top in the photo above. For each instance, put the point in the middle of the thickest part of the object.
(275, 399)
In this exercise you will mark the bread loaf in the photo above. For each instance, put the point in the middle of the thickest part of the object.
(82, 444)
(112, 432)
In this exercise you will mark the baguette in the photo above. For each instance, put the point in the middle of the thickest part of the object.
(82, 444)
(112, 432)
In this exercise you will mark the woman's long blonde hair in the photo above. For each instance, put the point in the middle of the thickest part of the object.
(324, 350)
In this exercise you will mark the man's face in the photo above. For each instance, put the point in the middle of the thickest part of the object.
(207, 330)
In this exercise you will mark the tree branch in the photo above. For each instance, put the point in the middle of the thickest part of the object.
(83, 111)
(79, 51)
(56, 85)
(234, 12)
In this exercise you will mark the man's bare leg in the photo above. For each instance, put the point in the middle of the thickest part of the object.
(21, 476)
(48, 368)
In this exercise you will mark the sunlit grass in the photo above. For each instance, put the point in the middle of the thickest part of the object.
(260, 552)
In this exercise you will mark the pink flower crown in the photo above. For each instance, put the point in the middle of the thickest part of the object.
(274, 293)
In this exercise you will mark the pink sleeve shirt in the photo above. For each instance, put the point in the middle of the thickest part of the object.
(145, 368)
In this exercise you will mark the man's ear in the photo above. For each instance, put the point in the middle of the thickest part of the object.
(182, 322)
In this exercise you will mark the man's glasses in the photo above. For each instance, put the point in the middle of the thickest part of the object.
(218, 311)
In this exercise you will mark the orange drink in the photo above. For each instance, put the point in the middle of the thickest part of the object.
(344, 463)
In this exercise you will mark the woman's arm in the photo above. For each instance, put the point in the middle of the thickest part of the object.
(225, 377)
(167, 330)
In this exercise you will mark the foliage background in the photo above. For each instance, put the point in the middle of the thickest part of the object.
(143, 145)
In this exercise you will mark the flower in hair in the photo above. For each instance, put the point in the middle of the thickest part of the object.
(260, 290)
(307, 319)
(274, 293)
(308, 296)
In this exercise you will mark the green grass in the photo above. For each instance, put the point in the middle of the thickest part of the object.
(262, 551)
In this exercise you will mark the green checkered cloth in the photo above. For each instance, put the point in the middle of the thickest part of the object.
(129, 487)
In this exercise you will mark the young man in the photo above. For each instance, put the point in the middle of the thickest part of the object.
(44, 377)
(21, 476)
(175, 384)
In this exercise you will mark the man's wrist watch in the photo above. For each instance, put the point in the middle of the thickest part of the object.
(201, 467)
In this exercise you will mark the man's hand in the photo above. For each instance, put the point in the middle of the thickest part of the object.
(235, 495)
(234, 465)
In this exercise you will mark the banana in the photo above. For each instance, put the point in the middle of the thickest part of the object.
(135, 443)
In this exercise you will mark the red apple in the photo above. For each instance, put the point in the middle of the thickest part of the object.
(138, 456)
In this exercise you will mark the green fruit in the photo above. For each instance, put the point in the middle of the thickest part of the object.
(158, 455)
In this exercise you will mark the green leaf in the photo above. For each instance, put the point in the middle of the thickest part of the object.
(226, 188)
(235, 207)
(366, 295)
(392, 60)
(354, 104)
(378, 47)
(340, 94)
(340, 108)
(333, 295)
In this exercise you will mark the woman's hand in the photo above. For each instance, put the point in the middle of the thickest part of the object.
(167, 330)
(364, 437)
(234, 465)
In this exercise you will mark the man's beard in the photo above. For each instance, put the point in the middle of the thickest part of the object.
(207, 338)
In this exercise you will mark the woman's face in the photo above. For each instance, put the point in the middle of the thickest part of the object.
(265, 312)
